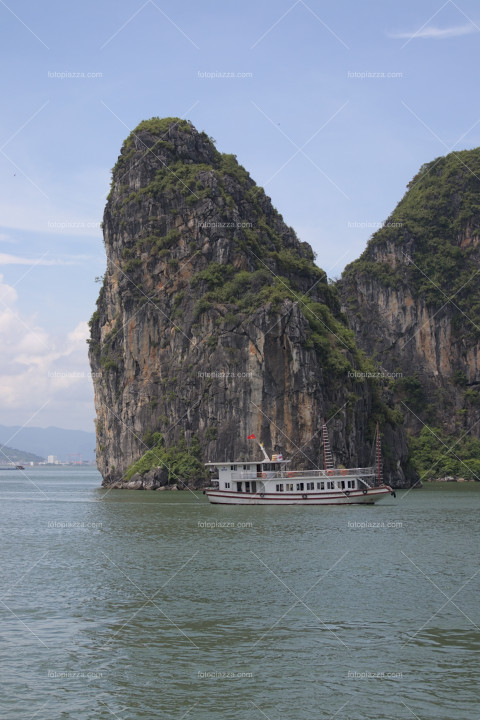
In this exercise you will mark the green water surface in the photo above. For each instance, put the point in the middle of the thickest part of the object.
(136, 605)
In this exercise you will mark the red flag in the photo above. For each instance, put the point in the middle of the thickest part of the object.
(251, 437)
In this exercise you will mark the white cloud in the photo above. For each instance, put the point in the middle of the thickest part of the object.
(40, 368)
(7, 238)
(68, 208)
(436, 33)
(8, 294)
(79, 334)
(7, 259)
(41, 220)
(74, 206)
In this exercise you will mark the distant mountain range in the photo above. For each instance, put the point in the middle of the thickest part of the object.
(19, 457)
(50, 441)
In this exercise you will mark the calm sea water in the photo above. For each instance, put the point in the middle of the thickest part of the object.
(139, 605)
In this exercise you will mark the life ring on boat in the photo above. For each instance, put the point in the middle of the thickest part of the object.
(344, 472)
(262, 494)
(330, 473)
(304, 497)
(347, 492)
(290, 474)
(365, 491)
(264, 475)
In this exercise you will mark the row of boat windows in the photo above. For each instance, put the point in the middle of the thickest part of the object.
(328, 484)
(263, 466)
(300, 486)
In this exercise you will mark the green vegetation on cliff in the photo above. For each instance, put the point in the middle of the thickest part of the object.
(438, 454)
(159, 126)
(434, 231)
(182, 462)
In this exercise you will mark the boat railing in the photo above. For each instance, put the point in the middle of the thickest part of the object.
(331, 473)
(286, 474)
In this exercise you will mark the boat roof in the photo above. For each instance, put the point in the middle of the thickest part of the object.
(245, 462)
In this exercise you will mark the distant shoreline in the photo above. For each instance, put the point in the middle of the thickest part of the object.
(450, 481)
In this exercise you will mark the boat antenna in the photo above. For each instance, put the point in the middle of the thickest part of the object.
(379, 457)
(327, 453)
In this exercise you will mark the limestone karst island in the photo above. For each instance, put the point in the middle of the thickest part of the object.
(214, 323)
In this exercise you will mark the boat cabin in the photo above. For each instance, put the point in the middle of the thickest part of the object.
(273, 476)
(248, 477)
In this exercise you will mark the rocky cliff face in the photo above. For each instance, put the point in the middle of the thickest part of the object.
(413, 302)
(213, 323)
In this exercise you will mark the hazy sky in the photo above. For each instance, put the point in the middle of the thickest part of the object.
(337, 106)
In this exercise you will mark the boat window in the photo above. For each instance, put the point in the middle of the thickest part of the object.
(300, 486)
(351, 483)
(289, 487)
(233, 467)
(330, 485)
(310, 486)
(320, 486)
(342, 484)
(279, 488)
(227, 485)
(239, 487)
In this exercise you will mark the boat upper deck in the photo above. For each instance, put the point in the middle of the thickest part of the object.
(279, 469)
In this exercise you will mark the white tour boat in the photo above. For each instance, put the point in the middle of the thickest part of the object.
(271, 481)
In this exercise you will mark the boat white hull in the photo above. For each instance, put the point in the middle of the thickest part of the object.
(355, 497)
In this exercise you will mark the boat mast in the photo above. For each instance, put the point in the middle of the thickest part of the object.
(379, 457)
(327, 453)
(260, 445)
